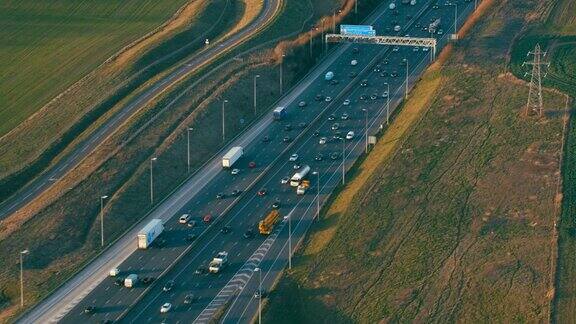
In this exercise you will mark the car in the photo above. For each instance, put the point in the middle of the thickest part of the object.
(168, 286)
(384, 74)
(377, 69)
(350, 135)
(200, 270)
(337, 135)
(364, 83)
(252, 164)
(363, 97)
(395, 49)
(322, 141)
(89, 310)
(160, 243)
(319, 157)
(334, 82)
(293, 157)
(220, 195)
(284, 180)
(418, 25)
(436, 6)
(335, 126)
(207, 218)
(319, 97)
(191, 223)
(424, 28)
(425, 49)
(415, 49)
(190, 237)
(276, 204)
(332, 117)
(334, 155)
(374, 96)
(235, 193)
(287, 139)
(385, 94)
(147, 280)
(165, 308)
(303, 124)
(288, 127)
(226, 229)
(346, 102)
(386, 62)
(403, 62)
(261, 192)
(355, 50)
(316, 134)
(189, 299)
(344, 116)
(235, 171)
(296, 166)
(184, 219)
(328, 99)
(114, 272)
(266, 139)
(302, 104)
(352, 74)
(260, 294)
(119, 282)
(394, 74)
(440, 32)
(249, 233)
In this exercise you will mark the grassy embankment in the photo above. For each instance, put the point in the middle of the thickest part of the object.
(73, 232)
(456, 223)
(556, 33)
(40, 140)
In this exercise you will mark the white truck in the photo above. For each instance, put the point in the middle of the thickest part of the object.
(232, 156)
(299, 176)
(149, 233)
(131, 280)
(434, 26)
(218, 262)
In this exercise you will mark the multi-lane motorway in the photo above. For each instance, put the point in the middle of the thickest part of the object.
(230, 294)
(72, 159)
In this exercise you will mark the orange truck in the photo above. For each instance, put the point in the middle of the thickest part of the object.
(266, 225)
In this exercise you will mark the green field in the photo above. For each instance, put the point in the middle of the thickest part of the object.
(457, 226)
(45, 46)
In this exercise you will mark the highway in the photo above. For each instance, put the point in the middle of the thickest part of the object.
(44, 181)
(231, 292)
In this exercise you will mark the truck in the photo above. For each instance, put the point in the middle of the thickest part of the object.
(218, 262)
(232, 156)
(131, 280)
(279, 113)
(329, 76)
(149, 233)
(299, 176)
(301, 189)
(266, 226)
(434, 26)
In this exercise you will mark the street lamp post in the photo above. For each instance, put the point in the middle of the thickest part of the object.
(188, 130)
(281, 74)
(343, 161)
(22, 253)
(290, 241)
(255, 77)
(356, 7)
(152, 160)
(317, 173)
(259, 294)
(455, 19)
(387, 103)
(310, 35)
(366, 127)
(102, 219)
(406, 88)
(223, 121)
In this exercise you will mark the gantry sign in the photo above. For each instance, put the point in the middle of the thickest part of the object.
(383, 40)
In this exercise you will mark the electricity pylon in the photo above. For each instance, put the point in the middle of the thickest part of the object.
(535, 104)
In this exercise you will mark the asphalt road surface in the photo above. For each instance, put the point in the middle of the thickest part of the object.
(44, 181)
(230, 294)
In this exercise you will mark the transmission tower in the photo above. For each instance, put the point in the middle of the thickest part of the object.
(534, 104)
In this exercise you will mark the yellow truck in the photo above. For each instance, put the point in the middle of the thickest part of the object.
(267, 224)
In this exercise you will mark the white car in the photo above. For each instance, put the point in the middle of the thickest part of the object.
(395, 49)
(322, 140)
(346, 102)
(285, 180)
(184, 219)
(293, 157)
(165, 308)
(385, 94)
(415, 49)
(425, 49)
(235, 171)
(328, 99)
(350, 135)
(114, 272)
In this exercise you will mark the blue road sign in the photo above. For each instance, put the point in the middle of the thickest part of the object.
(360, 30)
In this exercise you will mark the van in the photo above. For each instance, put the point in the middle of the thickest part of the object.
(131, 280)
(184, 219)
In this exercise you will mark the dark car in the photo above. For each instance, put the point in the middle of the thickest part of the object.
(355, 50)
(352, 74)
(249, 234)
(394, 74)
(168, 286)
(287, 139)
(226, 229)
(303, 125)
(334, 82)
(220, 195)
(147, 280)
(89, 310)
(364, 83)
(385, 62)
(332, 117)
(319, 157)
(119, 281)
(316, 134)
(200, 270)
(288, 127)
(207, 218)
(252, 164)
(319, 97)
(335, 155)
(363, 97)
(235, 192)
(190, 237)
(266, 139)
(189, 299)
(384, 74)
(276, 204)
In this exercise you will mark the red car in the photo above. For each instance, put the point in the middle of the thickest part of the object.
(262, 192)
(207, 218)
(252, 164)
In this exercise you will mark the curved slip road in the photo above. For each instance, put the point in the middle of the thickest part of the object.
(82, 150)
